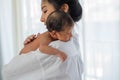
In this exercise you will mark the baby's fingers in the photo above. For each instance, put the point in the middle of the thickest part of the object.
(29, 39)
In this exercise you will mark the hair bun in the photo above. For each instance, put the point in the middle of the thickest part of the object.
(75, 9)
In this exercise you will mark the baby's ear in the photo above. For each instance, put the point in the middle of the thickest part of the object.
(53, 34)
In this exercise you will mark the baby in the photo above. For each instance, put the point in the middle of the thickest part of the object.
(59, 25)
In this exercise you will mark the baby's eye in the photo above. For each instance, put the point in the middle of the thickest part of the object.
(45, 11)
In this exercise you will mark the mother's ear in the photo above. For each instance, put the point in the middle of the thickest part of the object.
(65, 7)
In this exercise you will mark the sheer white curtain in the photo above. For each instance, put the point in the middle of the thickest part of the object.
(7, 40)
(102, 39)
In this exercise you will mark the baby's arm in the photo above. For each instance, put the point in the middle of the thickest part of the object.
(53, 51)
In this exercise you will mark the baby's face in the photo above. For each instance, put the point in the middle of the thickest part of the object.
(65, 35)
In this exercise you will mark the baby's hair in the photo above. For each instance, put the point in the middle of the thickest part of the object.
(58, 20)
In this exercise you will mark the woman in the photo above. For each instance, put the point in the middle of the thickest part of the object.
(36, 66)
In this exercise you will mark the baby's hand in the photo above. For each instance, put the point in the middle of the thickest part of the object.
(30, 38)
(62, 56)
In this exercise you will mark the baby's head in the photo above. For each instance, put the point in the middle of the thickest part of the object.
(60, 25)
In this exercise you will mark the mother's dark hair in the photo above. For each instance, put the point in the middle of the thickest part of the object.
(75, 9)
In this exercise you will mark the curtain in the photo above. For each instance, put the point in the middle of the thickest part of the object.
(99, 34)
(6, 30)
(102, 39)
(6, 33)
